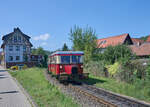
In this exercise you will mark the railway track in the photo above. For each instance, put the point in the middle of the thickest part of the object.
(92, 96)
(99, 97)
(113, 98)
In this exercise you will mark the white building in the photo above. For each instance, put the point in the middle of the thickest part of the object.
(16, 48)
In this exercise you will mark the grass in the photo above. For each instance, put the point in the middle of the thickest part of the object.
(137, 90)
(43, 93)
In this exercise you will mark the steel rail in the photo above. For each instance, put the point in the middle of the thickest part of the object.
(122, 99)
(90, 95)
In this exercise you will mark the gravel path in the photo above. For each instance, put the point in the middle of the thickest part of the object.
(10, 94)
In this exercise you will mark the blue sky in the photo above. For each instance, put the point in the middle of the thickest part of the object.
(48, 22)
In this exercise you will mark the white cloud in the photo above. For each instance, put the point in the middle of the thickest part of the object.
(43, 43)
(42, 37)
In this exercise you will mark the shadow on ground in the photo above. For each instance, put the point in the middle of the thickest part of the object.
(89, 81)
(2, 77)
(2, 74)
(8, 92)
(2, 70)
(92, 81)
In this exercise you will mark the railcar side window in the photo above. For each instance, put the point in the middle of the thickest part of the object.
(65, 59)
(79, 59)
(75, 59)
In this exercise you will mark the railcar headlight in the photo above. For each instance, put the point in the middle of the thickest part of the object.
(60, 66)
(81, 66)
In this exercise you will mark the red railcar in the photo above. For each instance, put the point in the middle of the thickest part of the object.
(66, 65)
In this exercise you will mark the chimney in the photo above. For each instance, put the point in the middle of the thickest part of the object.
(138, 43)
(15, 29)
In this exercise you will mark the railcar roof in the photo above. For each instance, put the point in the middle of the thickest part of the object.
(67, 52)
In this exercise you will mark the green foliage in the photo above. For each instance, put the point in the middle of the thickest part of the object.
(113, 69)
(26, 58)
(148, 70)
(95, 67)
(41, 51)
(143, 38)
(84, 39)
(65, 47)
(38, 51)
(117, 53)
(131, 71)
(43, 93)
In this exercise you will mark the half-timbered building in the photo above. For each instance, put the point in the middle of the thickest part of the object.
(16, 48)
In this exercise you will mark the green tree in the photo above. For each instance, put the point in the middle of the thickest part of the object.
(44, 53)
(39, 51)
(65, 47)
(117, 53)
(84, 39)
(143, 38)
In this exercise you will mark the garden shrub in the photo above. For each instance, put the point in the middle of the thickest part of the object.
(95, 67)
(131, 71)
(113, 69)
(113, 54)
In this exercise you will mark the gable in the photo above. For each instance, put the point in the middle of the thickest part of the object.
(128, 41)
(16, 37)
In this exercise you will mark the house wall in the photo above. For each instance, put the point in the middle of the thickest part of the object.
(13, 53)
(21, 41)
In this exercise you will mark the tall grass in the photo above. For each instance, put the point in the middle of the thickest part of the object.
(44, 94)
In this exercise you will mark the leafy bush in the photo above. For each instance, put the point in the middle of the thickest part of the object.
(131, 71)
(148, 70)
(113, 69)
(117, 53)
(95, 67)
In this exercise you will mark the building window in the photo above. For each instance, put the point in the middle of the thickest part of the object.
(15, 38)
(24, 40)
(24, 48)
(17, 58)
(10, 40)
(17, 48)
(10, 58)
(11, 48)
(19, 38)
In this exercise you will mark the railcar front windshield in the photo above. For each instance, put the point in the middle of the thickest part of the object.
(65, 59)
(71, 59)
(76, 59)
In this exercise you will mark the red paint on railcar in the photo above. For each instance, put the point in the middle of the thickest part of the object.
(66, 63)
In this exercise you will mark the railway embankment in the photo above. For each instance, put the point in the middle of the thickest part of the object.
(43, 93)
(88, 95)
